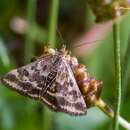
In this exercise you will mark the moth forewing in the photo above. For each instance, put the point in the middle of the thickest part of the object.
(69, 93)
(49, 79)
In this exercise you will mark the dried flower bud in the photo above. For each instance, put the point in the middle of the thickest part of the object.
(108, 9)
(89, 86)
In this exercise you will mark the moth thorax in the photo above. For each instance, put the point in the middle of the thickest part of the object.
(52, 51)
(49, 50)
(74, 61)
(89, 86)
(68, 57)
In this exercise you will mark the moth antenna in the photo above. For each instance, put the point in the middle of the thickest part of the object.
(124, 8)
(104, 107)
(84, 43)
(60, 36)
(63, 48)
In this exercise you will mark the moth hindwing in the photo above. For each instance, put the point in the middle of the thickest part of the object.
(50, 80)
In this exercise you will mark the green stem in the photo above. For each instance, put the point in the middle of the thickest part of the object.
(47, 119)
(29, 41)
(125, 72)
(108, 111)
(116, 38)
(53, 16)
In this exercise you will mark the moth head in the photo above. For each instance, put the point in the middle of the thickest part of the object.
(66, 53)
(63, 49)
(49, 50)
(52, 51)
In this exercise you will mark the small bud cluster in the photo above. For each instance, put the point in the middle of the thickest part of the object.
(108, 9)
(89, 86)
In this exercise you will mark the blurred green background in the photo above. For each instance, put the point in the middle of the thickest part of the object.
(24, 29)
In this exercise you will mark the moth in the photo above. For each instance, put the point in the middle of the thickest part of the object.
(57, 80)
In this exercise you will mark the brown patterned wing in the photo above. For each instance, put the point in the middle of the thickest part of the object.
(30, 80)
(50, 80)
(65, 93)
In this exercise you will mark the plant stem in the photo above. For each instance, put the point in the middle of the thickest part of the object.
(4, 54)
(116, 38)
(124, 123)
(53, 16)
(108, 111)
(29, 41)
(125, 71)
(54, 5)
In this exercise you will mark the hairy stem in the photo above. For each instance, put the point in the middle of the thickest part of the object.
(125, 71)
(108, 111)
(116, 38)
